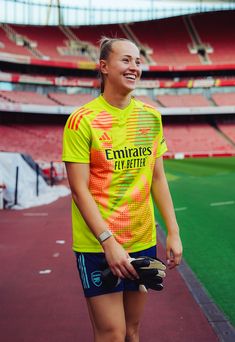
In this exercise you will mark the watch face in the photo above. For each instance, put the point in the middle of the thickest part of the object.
(105, 235)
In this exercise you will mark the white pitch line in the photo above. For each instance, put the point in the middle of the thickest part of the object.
(47, 271)
(180, 209)
(60, 242)
(221, 203)
(56, 255)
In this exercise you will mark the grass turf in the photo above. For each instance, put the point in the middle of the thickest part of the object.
(203, 192)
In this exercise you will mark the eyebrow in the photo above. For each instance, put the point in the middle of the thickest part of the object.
(131, 56)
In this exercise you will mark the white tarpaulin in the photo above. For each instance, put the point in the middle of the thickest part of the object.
(27, 184)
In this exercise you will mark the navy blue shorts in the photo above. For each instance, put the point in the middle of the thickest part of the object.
(90, 266)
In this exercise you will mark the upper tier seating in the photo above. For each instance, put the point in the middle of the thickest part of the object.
(195, 138)
(187, 100)
(26, 97)
(217, 29)
(9, 46)
(168, 39)
(224, 99)
(48, 39)
(71, 99)
(93, 34)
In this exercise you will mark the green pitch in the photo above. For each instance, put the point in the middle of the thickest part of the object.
(203, 191)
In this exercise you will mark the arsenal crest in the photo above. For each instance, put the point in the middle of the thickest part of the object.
(96, 278)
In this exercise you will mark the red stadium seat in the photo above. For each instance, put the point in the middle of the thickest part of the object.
(42, 142)
(71, 99)
(228, 128)
(168, 40)
(197, 138)
(187, 100)
(27, 97)
(224, 99)
(217, 29)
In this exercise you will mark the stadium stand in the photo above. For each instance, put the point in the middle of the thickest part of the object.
(197, 138)
(172, 42)
(78, 99)
(228, 128)
(51, 43)
(26, 97)
(93, 34)
(168, 41)
(167, 45)
(187, 100)
(147, 99)
(217, 28)
(224, 99)
(3, 99)
(9, 44)
(42, 142)
(70, 99)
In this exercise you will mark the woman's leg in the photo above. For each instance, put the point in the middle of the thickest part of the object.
(134, 302)
(107, 317)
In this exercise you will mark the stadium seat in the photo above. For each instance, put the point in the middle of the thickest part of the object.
(228, 128)
(27, 97)
(71, 99)
(187, 100)
(197, 138)
(50, 41)
(217, 29)
(168, 41)
(42, 142)
(224, 99)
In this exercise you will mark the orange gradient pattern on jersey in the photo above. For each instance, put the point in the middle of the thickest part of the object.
(103, 121)
(100, 178)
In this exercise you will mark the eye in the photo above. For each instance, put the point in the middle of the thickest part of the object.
(126, 60)
(138, 62)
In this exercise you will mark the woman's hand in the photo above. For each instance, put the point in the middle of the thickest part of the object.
(118, 259)
(173, 249)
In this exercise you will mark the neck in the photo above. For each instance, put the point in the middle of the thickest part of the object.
(117, 100)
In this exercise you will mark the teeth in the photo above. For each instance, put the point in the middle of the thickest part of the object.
(132, 77)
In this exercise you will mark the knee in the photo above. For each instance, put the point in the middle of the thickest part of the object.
(114, 334)
(132, 332)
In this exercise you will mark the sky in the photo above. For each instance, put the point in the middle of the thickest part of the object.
(103, 11)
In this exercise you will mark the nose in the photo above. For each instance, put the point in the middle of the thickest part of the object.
(133, 65)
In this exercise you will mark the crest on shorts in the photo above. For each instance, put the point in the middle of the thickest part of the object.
(96, 278)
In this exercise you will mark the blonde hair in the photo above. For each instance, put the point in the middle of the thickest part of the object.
(106, 44)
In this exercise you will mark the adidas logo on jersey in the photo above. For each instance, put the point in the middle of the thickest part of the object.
(105, 137)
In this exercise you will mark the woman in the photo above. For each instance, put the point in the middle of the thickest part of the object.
(113, 149)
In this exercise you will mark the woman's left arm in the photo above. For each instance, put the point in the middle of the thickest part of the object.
(162, 198)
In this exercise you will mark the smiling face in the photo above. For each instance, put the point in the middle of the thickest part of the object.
(121, 70)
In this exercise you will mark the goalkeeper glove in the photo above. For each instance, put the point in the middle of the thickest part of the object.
(150, 272)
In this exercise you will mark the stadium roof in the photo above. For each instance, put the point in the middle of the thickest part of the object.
(91, 12)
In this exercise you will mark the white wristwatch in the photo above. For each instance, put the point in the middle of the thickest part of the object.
(104, 236)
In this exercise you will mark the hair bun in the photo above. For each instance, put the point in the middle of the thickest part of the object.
(104, 40)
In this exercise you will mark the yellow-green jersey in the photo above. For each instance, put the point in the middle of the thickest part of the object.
(121, 147)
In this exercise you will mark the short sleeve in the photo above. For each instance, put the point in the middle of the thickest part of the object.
(76, 142)
(161, 146)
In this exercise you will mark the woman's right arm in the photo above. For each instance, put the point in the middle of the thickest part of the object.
(116, 256)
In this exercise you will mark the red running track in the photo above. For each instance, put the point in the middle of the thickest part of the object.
(51, 308)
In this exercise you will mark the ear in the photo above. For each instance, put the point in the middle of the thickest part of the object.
(103, 66)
